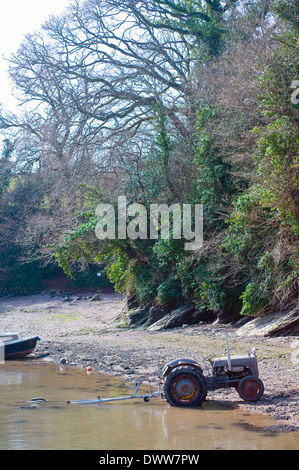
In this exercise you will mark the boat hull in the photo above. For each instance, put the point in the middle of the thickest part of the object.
(20, 347)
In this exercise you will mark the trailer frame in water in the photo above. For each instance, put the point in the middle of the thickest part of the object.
(146, 397)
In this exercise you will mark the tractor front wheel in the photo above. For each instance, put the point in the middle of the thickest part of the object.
(250, 388)
(185, 386)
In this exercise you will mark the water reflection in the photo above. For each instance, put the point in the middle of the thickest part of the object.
(10, 377)
(54, 424)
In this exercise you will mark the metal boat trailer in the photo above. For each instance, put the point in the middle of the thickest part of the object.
(146, 397)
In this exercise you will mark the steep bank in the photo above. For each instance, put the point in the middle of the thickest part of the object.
(83, 332)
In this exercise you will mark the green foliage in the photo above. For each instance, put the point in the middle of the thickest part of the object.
(169, 293)
(251, 222)
(287, 10)
(277, 167)
(252, 298)
(118, 272)
(264, 227)
(200, 20)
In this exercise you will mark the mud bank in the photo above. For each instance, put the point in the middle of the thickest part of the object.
(81, 330)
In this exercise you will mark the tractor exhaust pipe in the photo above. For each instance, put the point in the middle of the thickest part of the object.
(229, 362)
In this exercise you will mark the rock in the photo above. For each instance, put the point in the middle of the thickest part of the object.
(206, 316)
(137, 317)
(132, 302)
(38, 399)
(228, 317)
(156, 313)
(175, 318)
(275, 324)
(95, 297)
(288, 325)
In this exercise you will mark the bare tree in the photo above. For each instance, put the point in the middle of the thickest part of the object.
(115, 61)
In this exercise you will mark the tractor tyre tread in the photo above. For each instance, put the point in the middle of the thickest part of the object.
(185, 371)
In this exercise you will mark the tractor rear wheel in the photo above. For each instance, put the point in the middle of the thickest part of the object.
(185, 386)
(250, 388)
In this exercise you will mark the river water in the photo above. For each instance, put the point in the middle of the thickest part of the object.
(131, 425)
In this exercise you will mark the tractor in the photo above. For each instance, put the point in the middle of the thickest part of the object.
(184, 383)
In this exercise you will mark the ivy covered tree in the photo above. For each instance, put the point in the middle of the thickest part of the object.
(264, 228)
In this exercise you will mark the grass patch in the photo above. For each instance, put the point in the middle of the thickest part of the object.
(63, 317)
(87, 331)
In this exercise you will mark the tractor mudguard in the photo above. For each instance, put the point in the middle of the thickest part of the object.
(180, 362)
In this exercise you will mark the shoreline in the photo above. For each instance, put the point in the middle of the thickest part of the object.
(82, 332)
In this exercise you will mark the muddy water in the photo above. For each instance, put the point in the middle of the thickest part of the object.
(131, 425)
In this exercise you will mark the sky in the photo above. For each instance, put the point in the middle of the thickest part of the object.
(18, 18)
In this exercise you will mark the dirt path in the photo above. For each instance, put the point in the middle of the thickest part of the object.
(82, 332)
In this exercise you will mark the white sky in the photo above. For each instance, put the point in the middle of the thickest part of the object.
(17, 18)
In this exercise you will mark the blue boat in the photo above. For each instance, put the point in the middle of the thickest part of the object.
(16, 346)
